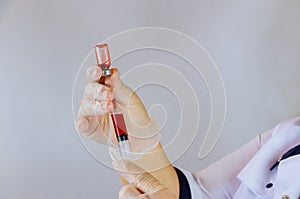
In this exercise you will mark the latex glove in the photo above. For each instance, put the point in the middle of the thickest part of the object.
(99, 100)
(142, 185)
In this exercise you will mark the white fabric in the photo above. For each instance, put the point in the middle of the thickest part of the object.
(245, 173)
(256, 175)
(288, 178)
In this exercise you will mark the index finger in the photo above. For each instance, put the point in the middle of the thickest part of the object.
(93, 73)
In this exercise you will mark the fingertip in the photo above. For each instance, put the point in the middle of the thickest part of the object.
(115, 74)
(94, 73)
(114, 70)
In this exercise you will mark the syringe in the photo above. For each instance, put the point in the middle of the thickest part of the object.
(103, 61)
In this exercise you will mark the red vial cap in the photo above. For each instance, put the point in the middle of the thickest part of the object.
(102, 56)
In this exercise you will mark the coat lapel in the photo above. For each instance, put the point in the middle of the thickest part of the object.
(256, 175)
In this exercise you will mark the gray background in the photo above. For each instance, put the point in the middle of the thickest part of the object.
(255, 44)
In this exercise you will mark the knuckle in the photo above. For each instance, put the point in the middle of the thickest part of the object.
(91, 107)
(96, 91)
(98, 108)
(94, 72)
(102, 107)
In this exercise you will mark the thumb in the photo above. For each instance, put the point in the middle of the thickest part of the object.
(138, 177)
(122, 93)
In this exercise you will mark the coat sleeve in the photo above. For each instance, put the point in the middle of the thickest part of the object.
(219, 181)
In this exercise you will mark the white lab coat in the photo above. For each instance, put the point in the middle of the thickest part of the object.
(246, 173)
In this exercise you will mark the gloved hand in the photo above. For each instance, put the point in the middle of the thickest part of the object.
(99, 100)
(142, 185)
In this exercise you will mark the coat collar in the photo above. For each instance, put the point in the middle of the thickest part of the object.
(257, 172)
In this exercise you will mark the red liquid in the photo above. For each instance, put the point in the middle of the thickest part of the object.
(102, 56)
(119, 124)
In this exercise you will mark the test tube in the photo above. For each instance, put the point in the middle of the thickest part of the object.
(103, 61)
